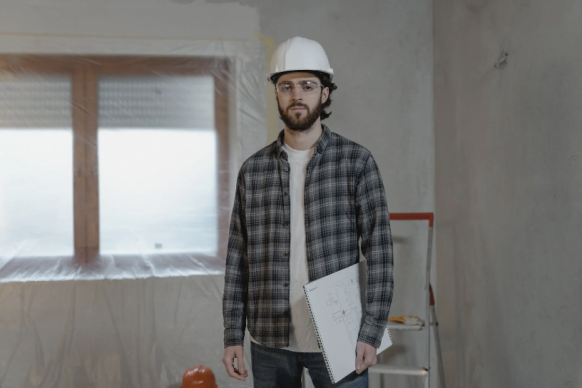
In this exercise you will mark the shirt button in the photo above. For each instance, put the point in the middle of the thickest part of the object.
(286, 253)
(286, 314)
(286, 223)
(284, 193)
(285, 168)
(285, 284)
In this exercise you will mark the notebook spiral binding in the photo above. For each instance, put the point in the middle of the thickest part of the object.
(389, 335)
(319, 341)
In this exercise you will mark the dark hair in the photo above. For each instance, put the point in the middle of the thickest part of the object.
(325, 80)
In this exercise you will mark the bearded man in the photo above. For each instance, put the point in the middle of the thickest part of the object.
(304, 207)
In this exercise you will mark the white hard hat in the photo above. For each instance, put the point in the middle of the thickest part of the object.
(299, 54)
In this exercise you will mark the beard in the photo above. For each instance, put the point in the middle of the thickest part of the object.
(294, 122)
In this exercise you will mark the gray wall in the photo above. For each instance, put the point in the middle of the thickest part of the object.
(509, 192)
(381, 52)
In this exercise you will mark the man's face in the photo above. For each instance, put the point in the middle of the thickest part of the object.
(299, 110)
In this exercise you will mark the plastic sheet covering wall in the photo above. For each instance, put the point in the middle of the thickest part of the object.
(116, 185)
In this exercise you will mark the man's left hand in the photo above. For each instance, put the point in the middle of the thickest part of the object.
(365, 356)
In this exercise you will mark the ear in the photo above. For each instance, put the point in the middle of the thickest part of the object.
(324, 95)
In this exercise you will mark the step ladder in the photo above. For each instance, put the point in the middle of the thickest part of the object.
(430, 312)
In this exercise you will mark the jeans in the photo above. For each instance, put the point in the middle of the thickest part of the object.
(278, 368)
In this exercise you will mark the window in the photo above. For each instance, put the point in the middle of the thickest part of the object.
(124, 156)
(36, 160)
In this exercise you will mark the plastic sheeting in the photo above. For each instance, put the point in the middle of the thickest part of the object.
(116, 185)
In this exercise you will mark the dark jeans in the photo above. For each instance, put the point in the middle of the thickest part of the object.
(278, 368)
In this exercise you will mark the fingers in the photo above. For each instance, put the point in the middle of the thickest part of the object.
(359, 357)
(365, 357)
(369, 360)
(228, 361)
(241, 362)
(245, 375)
(230, 353)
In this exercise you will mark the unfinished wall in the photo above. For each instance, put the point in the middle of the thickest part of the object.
(509, 192)
(381, 52)
(382, 55)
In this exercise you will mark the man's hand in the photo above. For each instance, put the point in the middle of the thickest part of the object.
(365, 356)
(230, 353)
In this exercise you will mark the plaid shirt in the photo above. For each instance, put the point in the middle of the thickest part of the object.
(344, 202)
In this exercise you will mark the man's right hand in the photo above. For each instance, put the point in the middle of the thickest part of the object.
(230, 353)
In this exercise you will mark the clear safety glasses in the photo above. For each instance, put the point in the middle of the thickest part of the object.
(304, 87)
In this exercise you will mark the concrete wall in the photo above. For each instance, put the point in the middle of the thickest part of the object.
(509, 192)
(381, 52)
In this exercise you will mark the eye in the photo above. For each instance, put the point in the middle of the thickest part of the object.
(285, 88)
(308, 87)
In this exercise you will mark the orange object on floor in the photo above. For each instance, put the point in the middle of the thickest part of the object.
(199, 377)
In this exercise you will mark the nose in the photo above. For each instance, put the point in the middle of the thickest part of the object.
(297, 93)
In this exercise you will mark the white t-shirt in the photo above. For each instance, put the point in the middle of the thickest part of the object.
(302, 337)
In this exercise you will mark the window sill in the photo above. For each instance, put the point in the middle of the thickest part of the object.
(114, 267)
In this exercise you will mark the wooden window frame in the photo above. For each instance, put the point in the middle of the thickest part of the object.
(85, 72)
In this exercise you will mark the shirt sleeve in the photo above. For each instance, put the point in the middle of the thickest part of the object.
(376, 244)
(236, 273)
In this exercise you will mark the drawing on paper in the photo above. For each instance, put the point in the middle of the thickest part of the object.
(346, 306)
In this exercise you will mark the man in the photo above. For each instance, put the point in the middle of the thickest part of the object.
(302, 205)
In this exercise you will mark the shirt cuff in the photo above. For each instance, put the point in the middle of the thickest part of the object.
(234, 337)
(371, 334)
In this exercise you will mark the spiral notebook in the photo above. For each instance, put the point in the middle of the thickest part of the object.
(335, 303)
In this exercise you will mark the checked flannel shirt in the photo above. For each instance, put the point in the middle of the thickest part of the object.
(344, 203)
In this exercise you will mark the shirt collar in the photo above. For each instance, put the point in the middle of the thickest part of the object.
(320, 145)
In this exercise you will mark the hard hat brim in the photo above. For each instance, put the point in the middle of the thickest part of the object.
(328, 71)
